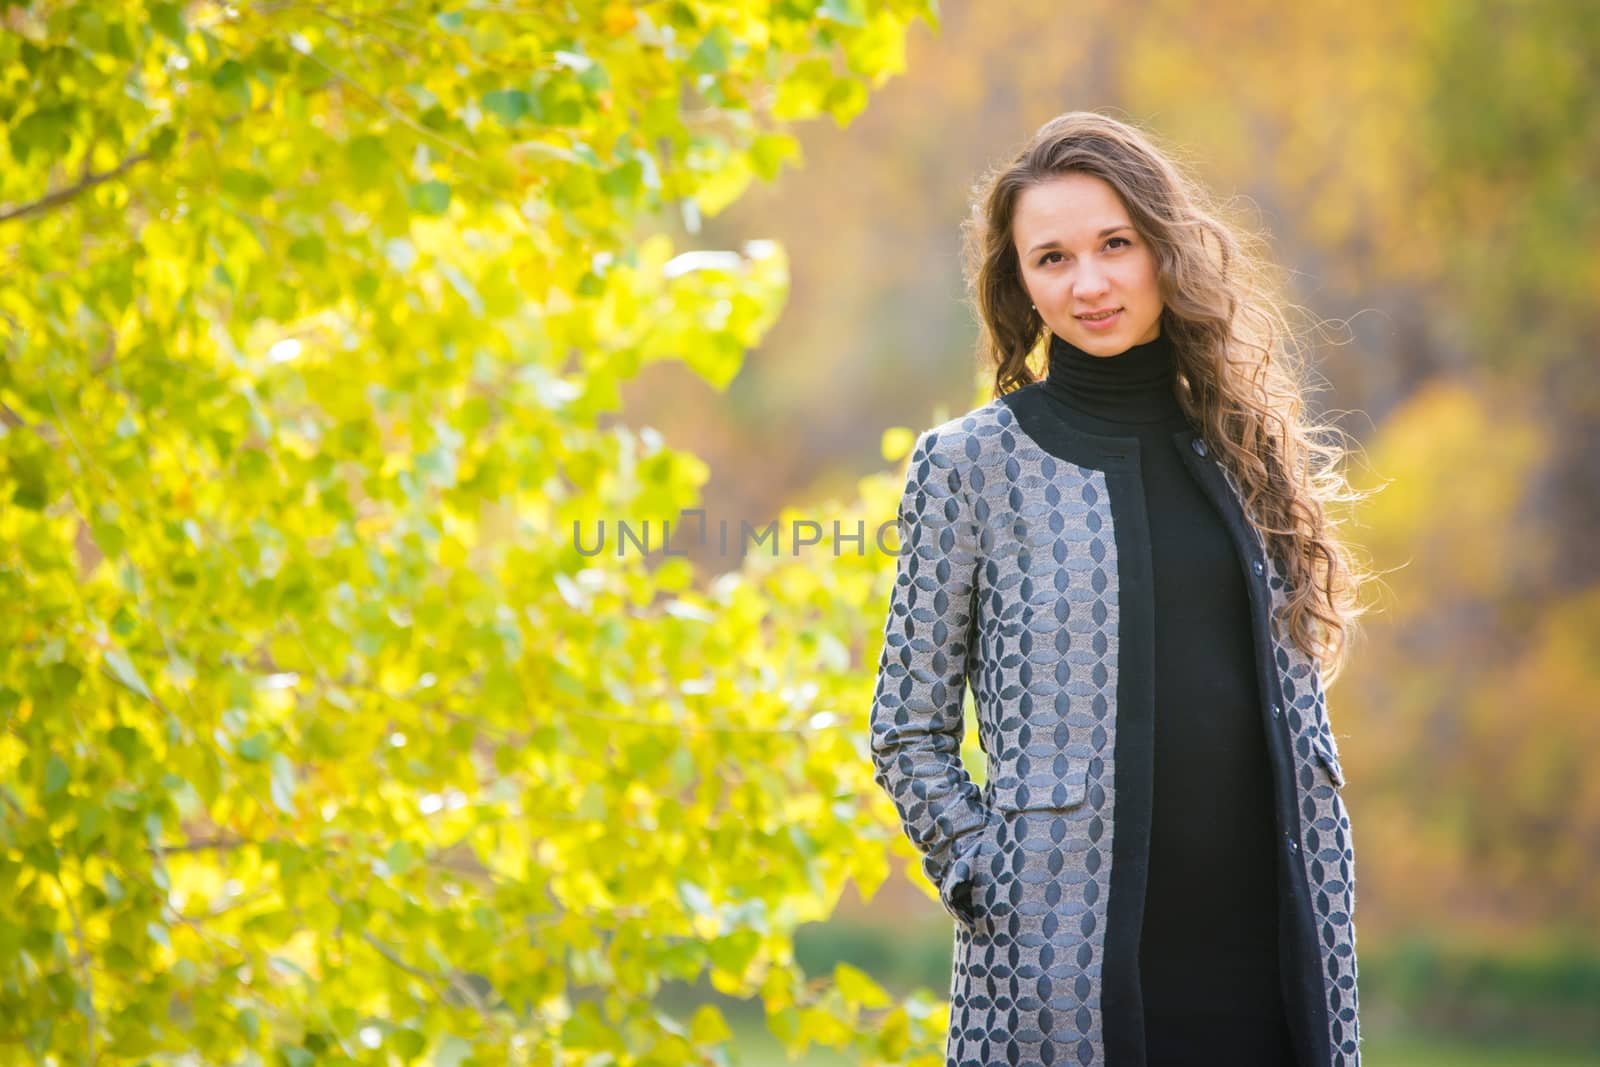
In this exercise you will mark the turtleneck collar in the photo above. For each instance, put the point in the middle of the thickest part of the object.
(1136, 386)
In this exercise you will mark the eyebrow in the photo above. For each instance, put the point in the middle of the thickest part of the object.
(1107, 232)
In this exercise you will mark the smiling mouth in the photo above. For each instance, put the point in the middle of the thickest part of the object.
(1100, 317)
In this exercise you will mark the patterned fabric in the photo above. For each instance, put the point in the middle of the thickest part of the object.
(1008, 583)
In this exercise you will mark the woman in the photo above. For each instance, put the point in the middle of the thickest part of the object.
(1130, 562)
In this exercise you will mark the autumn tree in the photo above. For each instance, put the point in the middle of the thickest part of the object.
(324, 743)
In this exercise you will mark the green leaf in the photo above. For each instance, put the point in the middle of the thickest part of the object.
(734, 952)
(56, 775)
(623, 182)
(896, 443)
(769, 150)
(844, 12)
(232, 81)
(430, 197)
(708, 1027)
(32, 491)
(401, 857)
(283, 783)
(162, 143)
(407, 1043)
(710, 56)
(247, 185)
(90, 824)
(255, 748)
(453, 1051)
(845, 99)
(508, 105)
(168, 20)
(309, 249)
(802, 91)
(45, 131)
(367, 157)
(858, 988)
(124, 741)
(123, 670)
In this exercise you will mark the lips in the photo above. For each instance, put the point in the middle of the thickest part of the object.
(1110, 322)
(1096, 315)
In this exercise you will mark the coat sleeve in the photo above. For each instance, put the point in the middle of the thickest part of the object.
(917, 725)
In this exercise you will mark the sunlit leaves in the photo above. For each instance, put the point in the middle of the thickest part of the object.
(324, 740)
(429, 197)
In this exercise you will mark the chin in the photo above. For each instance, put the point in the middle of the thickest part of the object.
(1105, 344)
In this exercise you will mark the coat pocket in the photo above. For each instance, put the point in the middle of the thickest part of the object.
(1329, 759)
(1061, 784)
(963, 891)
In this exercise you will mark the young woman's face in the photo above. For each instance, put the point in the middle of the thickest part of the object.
(1079, 255)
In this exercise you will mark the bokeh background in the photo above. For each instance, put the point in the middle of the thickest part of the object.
(322, 324)
(1426, 172)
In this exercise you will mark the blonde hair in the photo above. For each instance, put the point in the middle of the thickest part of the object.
(1239, 373)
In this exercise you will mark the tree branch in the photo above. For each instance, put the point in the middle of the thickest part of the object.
(89, 180)
(61, 196)
(90, 1015)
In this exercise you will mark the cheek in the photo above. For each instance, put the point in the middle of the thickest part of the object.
(1136, 279)
(1146, 277)
(1035, 285)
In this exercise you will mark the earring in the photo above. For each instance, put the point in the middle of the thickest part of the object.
(1034, 306)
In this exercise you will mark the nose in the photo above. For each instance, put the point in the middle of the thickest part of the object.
(1089, 284)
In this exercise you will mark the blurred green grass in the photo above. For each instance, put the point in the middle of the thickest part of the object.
(1423, 1004)
(758, 1048)
(1422, 1050)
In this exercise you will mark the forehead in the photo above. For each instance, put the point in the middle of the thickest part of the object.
(1070, 209)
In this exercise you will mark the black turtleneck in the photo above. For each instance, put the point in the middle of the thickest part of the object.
(1121, 394)
(1209, 949)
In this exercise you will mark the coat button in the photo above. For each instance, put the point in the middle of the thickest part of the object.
(1255, 565)
(1199, 446)
(1276, 711)
(1294, 846)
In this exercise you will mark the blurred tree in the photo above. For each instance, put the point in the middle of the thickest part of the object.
(1472, 697)
(1423, 170)
(1425, 173)
(323, 742)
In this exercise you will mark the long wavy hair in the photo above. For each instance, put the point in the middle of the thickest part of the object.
(1240, 372)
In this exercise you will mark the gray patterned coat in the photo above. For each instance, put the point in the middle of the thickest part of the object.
(1024, 573)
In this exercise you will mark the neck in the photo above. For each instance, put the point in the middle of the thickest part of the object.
(1137, 385)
